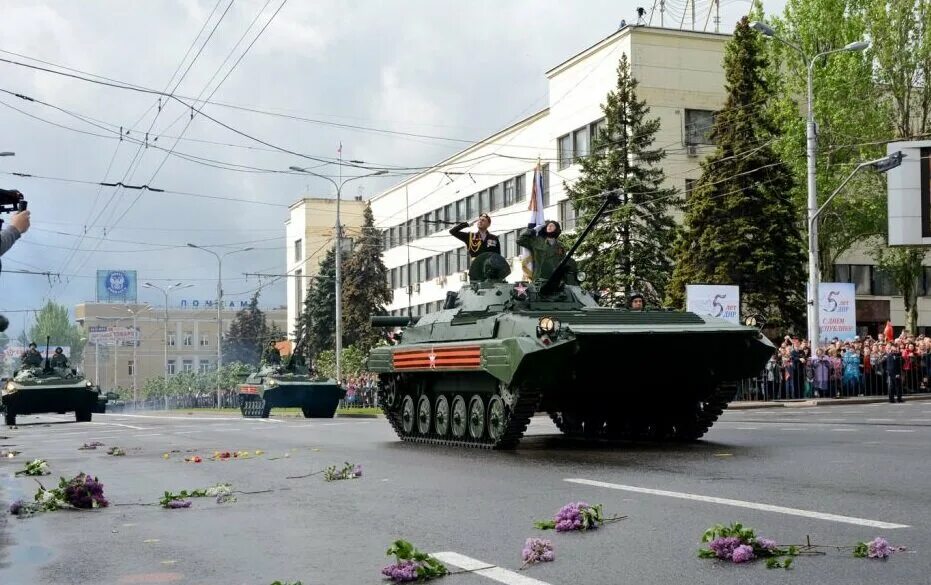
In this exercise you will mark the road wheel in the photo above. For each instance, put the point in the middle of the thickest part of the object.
(459, 418)
(9, 417)
(476, 417)
(442, 416)
(407, 414)
(497, 420)
(266, 411)
(83, 415)
(424, 414)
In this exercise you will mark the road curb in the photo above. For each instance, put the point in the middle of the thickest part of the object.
(819, 402)
(359, 415)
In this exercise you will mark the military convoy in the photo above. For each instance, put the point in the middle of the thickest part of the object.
(474, 373)
(40, 389)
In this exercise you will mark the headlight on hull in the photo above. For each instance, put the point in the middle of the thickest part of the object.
(271, 383)
(548, 327)
(9, 388)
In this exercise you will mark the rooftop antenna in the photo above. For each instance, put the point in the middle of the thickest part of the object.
(641, 12)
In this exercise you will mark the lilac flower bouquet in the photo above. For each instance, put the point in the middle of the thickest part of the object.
(411, 564)
(537, 550)
(738, 544)
(576, 516)
(878, 548)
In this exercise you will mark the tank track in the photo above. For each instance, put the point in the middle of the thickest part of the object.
(633, 425)
(517, 421)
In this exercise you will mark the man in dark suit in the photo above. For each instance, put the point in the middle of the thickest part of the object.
(893, 367)
(479, 242)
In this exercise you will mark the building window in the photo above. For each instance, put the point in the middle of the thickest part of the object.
(519, 193)
(595, 140)
(698, 124)
(429, 272)
(172, 341)
(580, 143)
(203, 366)
(298, 289)
(131, 366)
(461, 210)
(882, 283)
(448, 213)
(187, 366)
(689, 185)
(450, 262)
(567, 215)
(441, 265)
(172, 367)
(471, 202)
(545, 171)
(508, 245)
(509, 193)
(188, 338)
(298, 250)
(564, 151)
(462, 260)
(496, 194)
(859, 274)
(204, 341)
(421, 271)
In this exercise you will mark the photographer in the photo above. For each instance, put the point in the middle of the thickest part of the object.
(17, 225)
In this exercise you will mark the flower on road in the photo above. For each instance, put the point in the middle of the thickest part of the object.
(537, 550)
(411, 564)
(35, 467)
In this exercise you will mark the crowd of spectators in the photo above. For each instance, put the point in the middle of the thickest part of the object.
(860, 367)
(361, 390)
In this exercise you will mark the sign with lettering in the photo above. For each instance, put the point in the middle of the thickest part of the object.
(111, 335)
(116, 286)
(837, 310)
(714, 300)
(228, 305)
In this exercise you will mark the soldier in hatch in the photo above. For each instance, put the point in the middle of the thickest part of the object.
(32, 357)
(479, 242)
(272, 356)
(58, 359)
(543, 243)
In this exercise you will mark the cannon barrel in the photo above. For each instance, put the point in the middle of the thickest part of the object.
(392, 321)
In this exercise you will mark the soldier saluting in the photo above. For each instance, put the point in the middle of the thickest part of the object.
(478, 242)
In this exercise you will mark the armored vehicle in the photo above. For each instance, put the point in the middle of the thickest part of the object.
(474, 373)
(289, 385)
(45, 389)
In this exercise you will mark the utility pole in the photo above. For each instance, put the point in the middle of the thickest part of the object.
(165, 291)
(339, 250)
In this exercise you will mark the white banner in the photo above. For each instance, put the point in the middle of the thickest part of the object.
(837, 312)
(714, 300)
(16, 351)
(111, 335)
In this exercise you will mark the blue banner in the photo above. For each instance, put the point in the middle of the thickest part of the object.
(116, 286)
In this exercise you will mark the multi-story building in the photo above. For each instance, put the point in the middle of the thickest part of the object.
(311, 232)
(682, 81)
(110, 358)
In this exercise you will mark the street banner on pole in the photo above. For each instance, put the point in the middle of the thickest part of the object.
(714, 300)
(837, 312)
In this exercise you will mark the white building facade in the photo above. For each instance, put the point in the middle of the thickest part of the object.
(682, 81)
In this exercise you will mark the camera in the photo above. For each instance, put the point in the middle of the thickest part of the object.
(12, 200)
(4, 323)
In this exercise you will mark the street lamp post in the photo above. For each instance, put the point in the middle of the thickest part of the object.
(165, 291)
(135, 314)
(219, 307)
(339, 263)
(811, 131)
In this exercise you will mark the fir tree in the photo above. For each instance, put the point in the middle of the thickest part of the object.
(365, 286)
(740, 225)
(318, 319)
(247, 336)
(630, 249)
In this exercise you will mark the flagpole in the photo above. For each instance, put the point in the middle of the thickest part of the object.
(339, 263)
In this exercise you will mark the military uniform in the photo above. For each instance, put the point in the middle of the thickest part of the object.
(476, 245)
(58, 360)
(32, 358)
(272, 356)
(547, 253)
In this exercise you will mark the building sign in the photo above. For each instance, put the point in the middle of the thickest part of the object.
(110, 335)
(116, 286)
(837, 310)
(211, 304)
(714, 300)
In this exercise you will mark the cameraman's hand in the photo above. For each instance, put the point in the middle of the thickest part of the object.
(20, 221)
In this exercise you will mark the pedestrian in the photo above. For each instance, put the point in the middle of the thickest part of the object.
(893, 367)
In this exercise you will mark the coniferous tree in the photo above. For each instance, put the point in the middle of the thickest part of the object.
(318, 318)
(630, 249)
(741, 226)
(365, 286)
(247, 336)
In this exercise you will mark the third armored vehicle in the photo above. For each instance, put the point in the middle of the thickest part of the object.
(474, 373)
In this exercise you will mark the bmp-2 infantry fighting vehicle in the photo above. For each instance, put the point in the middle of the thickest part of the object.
(290, 385)
(43, 388)
(474, 373)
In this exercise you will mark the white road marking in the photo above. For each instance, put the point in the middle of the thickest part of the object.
(791, 429)
(899, 431)
(880, 420)
(844, 430)
(743, 504)
(119, 425)
(187, 432)
(747, 428)
(186, 418)
(149, 435)
(484, 569)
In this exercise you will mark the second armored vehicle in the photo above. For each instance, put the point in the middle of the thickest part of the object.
(44, 389)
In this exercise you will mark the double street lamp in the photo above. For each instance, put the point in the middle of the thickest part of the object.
(165, 291)
(219, 306)
(339, 263)
(814, 276)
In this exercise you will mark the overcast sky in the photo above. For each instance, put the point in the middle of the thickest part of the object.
(443, 69)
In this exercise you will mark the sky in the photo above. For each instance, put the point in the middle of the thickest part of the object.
(397, 84)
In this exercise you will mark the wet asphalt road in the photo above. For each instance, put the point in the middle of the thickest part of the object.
(867, 464)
